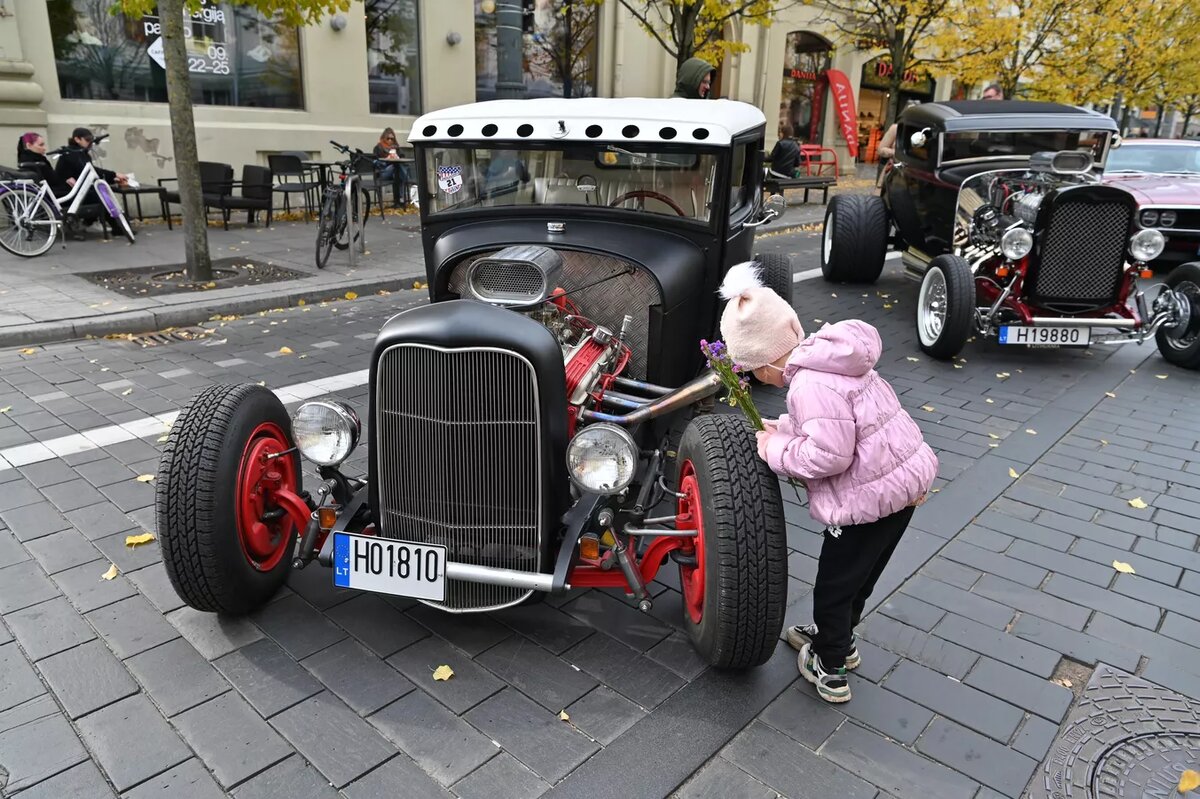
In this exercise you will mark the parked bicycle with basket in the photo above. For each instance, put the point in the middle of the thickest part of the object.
(31, 215)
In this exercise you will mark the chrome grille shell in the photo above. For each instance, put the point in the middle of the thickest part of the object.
(1083, 235)
(458, 437)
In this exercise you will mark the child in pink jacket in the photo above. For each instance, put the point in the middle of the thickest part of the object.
(845, 435)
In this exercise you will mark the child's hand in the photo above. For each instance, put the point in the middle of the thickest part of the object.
(770, 425)
(762, 437)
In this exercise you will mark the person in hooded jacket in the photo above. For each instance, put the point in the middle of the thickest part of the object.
(68, 169)
(31, 157)
(861, 456)
(694, 79)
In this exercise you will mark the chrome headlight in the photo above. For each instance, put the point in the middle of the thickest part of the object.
(1016, 243)
(1146, 245)
(1148, 218)
(1167, 218)
(326, 432)
(602, 458)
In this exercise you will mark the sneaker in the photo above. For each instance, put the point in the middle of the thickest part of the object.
(831, 686)
(798, 635)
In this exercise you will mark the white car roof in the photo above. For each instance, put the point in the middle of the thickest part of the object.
(633, 119)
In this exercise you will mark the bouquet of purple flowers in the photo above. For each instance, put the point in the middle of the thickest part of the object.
(738, 386)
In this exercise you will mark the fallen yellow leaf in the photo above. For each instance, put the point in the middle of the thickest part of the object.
(958, 366)
(1138, 502)
(562, 715)
(1064, 682)
(887, 306)
(992, 435)
(210, 284)
(161, 439)
(1013, 473)
(1189, 781)
(6, 409)
(1003, 375)
(111, 573)
(911, 358)
(145, 478)
(138, 540)
(1031, 431)
(285, 350)
(29, 351)
(127, 392)
(1123, 567)
(993, 445)
(1110, 395)
(990, 401)
(1161, 377)
(351, 295)
(301, 302)
(443, 673)
(928, 408)
(419, 285)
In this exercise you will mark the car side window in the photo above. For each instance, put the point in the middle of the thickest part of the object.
(740, 178)
(921, 153)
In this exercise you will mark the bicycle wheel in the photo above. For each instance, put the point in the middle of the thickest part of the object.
(331, 206)
(345, 223)
(28, 226)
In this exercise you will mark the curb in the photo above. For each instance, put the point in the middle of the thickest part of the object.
(150, 320)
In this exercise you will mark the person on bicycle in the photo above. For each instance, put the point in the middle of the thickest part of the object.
(385, 150)
(71, 165)
(31, 157)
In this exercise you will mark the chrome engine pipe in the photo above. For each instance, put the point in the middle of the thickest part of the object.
(630, 384)
(618, 400)
(703, 386)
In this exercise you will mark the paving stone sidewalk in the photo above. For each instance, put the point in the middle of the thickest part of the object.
(1003, 586)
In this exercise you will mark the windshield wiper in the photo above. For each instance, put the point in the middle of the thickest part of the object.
(652, 159)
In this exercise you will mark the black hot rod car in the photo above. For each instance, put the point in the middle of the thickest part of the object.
(998, 208)
(520, 425)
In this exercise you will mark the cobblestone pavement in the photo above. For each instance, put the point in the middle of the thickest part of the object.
(1003, 586)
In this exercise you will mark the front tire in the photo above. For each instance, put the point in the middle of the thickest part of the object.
(735, 593)
(1180, 344)
(777, 273)
(945, 307)
(222, 550)
(28, 227)
(854, 240)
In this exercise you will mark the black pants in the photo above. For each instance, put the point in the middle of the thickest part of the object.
(849, 567)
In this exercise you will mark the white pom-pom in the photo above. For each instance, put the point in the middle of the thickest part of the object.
(741, 278)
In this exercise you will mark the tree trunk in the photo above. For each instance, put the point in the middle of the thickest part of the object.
(1158, 120)
(183, 136)
(1189, 112)
(688, 14)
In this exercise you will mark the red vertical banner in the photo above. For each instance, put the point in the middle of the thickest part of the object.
(843, 100)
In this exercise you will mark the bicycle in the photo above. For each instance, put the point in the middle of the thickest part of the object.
(30, 218)
(334, 225)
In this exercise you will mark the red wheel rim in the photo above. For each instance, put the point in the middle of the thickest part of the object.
(690, 516)
(264, 543)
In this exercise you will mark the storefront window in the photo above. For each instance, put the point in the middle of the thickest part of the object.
(236, 56)
(874, 93)
(805, 61)
(393, 62)
(558, 45)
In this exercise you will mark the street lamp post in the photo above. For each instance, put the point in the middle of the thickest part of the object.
(510, 84)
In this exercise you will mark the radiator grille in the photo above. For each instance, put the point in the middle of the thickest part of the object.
(1083, 256)
(458, 440)
(631, 290)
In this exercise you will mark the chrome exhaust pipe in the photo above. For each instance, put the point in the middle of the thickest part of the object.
(703, 386)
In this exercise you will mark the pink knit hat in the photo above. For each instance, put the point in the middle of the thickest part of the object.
(758, 326)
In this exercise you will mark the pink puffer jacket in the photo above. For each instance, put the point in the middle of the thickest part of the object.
(845, 433)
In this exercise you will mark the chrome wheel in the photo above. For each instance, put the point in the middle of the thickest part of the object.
(1184, 333)
(827, 238)
(931, 306)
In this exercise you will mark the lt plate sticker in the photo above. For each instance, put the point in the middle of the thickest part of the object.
(450, 179)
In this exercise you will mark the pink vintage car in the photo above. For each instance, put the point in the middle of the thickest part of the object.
(1164, 176)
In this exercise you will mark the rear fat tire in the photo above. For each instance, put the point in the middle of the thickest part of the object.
(949, 285)
(745, 544)
(196, 500)
(777, 273)
(1183, 348)
(854, 239)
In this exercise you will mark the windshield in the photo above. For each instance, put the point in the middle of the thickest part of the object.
(1020, 143)
(1131, 157)
(637, 177)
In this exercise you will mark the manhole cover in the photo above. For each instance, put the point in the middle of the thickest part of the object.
(1127, 738)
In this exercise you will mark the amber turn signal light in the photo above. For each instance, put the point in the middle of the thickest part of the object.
(1146, 274)
(1002, 271)
(589, 547)
(327, 517)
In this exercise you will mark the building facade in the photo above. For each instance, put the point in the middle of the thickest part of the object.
(261, 88)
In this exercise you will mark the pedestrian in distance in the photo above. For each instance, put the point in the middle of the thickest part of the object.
(785, 155)
(68, 169)
(861, 456)
(386, 150)
(31, 157)
(694, 79)
(993, 92)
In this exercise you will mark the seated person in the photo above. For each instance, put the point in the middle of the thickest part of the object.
(31, 157)
(785, 156)
(70, 166)
(385, 150)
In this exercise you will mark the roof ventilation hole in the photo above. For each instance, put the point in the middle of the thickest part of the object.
(525, 131)
(490, 129)
(667, 133)
(700, 133)
(594, 131)
(455, 130)
(629, 131)
(429, 130)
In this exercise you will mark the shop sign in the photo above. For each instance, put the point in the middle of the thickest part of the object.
(843, 100)
(800, 74)
(208, 53)
(877, 74)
